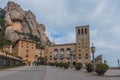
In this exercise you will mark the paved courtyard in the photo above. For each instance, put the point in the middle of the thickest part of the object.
(53, 73)
(23, 73)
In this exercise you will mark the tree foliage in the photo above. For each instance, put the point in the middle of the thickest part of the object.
(101, 68)
(89, 67)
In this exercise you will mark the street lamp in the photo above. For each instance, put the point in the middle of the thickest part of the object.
(93, 59)
(71, 56)
(118, 63)
(0, 28)
(71, 64)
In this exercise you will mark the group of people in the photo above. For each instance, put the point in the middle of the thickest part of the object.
(35, 63)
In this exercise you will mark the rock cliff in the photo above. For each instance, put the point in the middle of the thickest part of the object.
(20, 24)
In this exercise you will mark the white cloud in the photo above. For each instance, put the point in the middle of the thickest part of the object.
(99, 9)
(115, 31)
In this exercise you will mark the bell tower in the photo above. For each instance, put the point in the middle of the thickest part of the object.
(82, 44)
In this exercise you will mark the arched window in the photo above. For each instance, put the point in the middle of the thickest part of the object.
(68, 52)
(61, 53)
(55, 53)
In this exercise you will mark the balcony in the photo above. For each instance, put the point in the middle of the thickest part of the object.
(55, 56)
(61, 56)
(68, 56)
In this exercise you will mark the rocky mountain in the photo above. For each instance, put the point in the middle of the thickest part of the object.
(20, 24)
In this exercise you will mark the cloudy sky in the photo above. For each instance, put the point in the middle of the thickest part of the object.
(62, 16)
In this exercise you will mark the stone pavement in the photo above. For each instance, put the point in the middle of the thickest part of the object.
(24, 73)
(113, 73)
(54, 73)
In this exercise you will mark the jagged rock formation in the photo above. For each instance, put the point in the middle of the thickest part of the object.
(20, 24)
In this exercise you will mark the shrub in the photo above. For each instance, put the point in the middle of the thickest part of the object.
(78, 66)
(66, 65)
(61, 64)
(56, 64)
(51, 63)
(89, 67)
(101, 68)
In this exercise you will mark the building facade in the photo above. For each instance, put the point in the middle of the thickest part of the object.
(98, 59)
(40, 52)
(82, 44)
(60, 52)
(77, 52)
(25, 49)
(7, 48)
(9, 60)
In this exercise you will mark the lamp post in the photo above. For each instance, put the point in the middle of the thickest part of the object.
(0, 28)
(71, 56)
(71, 64)
(93, 59)
(118, 63)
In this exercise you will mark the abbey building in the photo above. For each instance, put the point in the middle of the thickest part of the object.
(79, 51)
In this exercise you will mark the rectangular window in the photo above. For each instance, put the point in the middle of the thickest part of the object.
(86, 57)
(82, 31)
(26, 55)
(78, 31)
(27, 51)
(80, 57)
(86, 31)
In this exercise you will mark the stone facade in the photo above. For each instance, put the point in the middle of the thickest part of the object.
(25, 49)
(98, 59)
(60, 52)
(7, 48)
(82, 44)
(40, 53)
